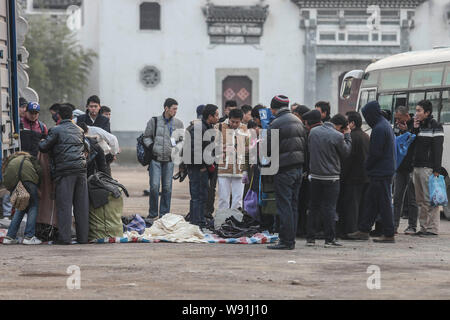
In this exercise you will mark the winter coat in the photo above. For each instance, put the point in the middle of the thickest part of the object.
(381, 159)
(194, 149)
(162, 145)
(428, 146)
(100, 121)
(292, 140)
(31, 170)
(327, 148)
(233, 164)
(66, 145)
(354, 167)
(31, 133)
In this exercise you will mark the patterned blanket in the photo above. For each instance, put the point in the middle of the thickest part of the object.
(259, 238)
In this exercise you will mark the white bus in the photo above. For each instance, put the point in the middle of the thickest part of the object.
(403, 80)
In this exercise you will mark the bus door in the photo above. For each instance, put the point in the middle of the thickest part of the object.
(366, 95)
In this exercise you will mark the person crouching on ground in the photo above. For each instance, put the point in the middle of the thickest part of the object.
(25, 168)
(66, 145)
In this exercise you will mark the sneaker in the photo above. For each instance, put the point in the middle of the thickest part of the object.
(419, 233)
(358, 235)
(8, 240)
(376, 233)
(410, 231)
(282, 246)
(428, 235)
(310, 243)
(332, 244)
(384, 239)
(31, 241)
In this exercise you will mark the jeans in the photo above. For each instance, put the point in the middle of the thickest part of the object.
(6, 204)
(31, 211)
(378, 202)
(72, 191)
(198, 187)
(160, 172)
(324, 197)
(403, 185)
(212, 183)
(287, 185)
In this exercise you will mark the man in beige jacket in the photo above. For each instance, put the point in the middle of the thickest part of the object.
(231, 170)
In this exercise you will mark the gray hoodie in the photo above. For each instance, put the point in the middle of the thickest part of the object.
(327, 147)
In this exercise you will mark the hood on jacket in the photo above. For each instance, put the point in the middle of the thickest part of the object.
(372, 113)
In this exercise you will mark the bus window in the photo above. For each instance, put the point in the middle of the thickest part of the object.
(385, 102)
(414, 98)
(447, 76)
(398, 79)
(444, 115)
(435, 99)
(399, 100)
(428, 77)
(370, 79)
(372, 95)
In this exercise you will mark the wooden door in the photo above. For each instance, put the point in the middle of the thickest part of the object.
(237, 88)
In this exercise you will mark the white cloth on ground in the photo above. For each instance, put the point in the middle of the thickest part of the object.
(173, 228)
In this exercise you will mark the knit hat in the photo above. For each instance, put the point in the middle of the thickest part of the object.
(200, 109)
(279, 102)
(33, 106)
(312, 117)
(301, 110)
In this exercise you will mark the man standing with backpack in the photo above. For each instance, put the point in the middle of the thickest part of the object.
(159, 138)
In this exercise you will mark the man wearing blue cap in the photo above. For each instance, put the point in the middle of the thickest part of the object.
(33, 130)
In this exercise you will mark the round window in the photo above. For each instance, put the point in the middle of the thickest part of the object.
(150, 77)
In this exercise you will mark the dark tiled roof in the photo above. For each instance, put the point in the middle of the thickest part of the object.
(236, 13)
(55, 4)
(358, 3)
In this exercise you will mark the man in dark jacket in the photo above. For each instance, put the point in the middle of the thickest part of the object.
(403, 184)
(328, 145)
(195, 161)
(93, 118)
(33, 130)
(428, 149)
(65, 143)
(380, 167)
(287, 182)
(354, 177)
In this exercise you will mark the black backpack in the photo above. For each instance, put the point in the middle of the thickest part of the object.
(144, 154)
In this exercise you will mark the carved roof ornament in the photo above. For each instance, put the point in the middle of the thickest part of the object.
(410, 4)
(236, 14)
(235, 24)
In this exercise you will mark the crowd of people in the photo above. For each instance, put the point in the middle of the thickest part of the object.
(333, 180)
(54, 165)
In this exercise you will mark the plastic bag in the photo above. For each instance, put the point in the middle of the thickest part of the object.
(438, 191)
(402, 144)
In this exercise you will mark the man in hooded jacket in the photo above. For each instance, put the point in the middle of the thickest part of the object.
(380, 167)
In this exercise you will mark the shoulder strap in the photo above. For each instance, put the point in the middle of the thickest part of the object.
(41, 125)
(156, 127)
(20, 168)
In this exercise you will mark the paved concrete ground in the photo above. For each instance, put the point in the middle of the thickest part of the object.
(413, 268)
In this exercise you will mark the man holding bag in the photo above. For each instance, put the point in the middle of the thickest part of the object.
(427, 164)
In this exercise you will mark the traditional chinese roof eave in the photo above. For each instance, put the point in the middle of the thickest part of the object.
(408, 4)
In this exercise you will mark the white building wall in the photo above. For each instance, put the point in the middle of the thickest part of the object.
(432, 28)
(181, 51)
